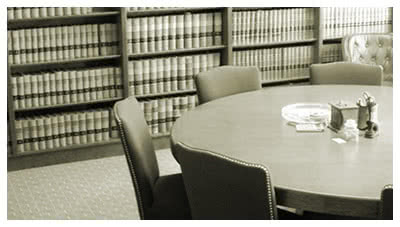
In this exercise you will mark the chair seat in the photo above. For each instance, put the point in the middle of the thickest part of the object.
(170, 201)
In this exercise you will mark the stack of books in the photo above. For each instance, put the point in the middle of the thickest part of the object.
(339, 21)
(170, 32)
(277, 63)
(62, 43)
(65, 87)
(63, 129)
(265, 26)
(42, 12)
(162, 75)
(331, 53)
(160, 114)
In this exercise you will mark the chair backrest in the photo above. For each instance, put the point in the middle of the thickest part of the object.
(219, 187)
(226, 80)
(139, 150)
(386, 211)
(373, 49)
(346, 73)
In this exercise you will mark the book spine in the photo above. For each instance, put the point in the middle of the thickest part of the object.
(151, 34)
(33, 134)
(19, 136)
(111, 81)
(105, 84)
(96, 41)
(86, 84)
(41, 133)
(118, 82)
(113, 125)
(144, 35)
(168, 114)
(138, 83)
(73, 87)
(155, 118)
(165, 33)
(136, 35)
(90, 127)
(10, 52)
(180, 44)
(75, 128)
(129, 35)
(61, 130)
(99, 84)
(22, 48)
(158, 38)
(105, 124)
(181, 73)
(46, 44)
(203, 30)
(218, 28)
(188, 30)
(84, 42)
(183, 104)
(26, 130)
(195, 30)
(59, 11)
(79, 87)
(68, 128)
(131, 79)
(172, 36)
(209, 29)
(48, 129)
(35, 90)
(82, 127)
(28, 91)
(160, 75)
(14, 92)
(51, 11)
(102, 39)
(59, 87)
(176, 111)
(153, 76)
(167, 74)
(98, 126)
(174, 73)
(55, 130)
(92, 85)
(16, 46)
(162, 115)
(52, 45)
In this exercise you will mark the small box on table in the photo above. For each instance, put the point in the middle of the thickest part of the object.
(340, 112)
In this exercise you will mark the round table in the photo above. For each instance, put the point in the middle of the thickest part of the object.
(309, 170)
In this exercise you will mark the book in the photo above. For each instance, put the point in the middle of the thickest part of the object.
(98, 126)
(10, 13)
(131, 80)
(16, 46)
(151, 34)
(165, 33)
(41, 133)
(105, 83)
(183, 104)
(67, 11)
(195, 30)
(96, 41)
(181, 73)
(162, 116)
(160, 75)
(75, 128)
(155, 118)
(14, 92)
(22, 48)
(169, 114)
(99, 84)
(55, 130)
(129, 35)
(174, 73)
(64, 40)
(113, 125)
(26, 131)
(105, 124)
(90, 41)
(51, 11)
(73, 86)
(86, 85)
(92, 84)
(59, 11)
(19, 136)
(90, 126)
(187, 30)
(203, 30)
(144, 35)
(167, 74)
(191, 102)
(114, 39)
(28, 91)
(172, 32)
(118, 82)
(209, 29)
(196, 64)
(10, 53)
(46, 44)
(52, 45)
(59, 87)
(48, 129)
(137, 77)
(68, 128)
(180, 44)
(136, 35)
(153, 76)
(176, 110)
(79, 86)
(103, 40)
(61, 130)
(84, 42)
(82, 127)
(34, 90)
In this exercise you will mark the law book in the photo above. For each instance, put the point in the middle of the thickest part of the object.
(172, 32)
(51, 11)
(196, 64)
(22, 48)
(131, 80)
(26, 134)
(111, 80)
(19, 136)
(155, 118)
(82, 127)
(151, 34)
(65, 87)
(92, 84)
(89, 40)
(102, 39)
(115, 39)
(10, 13)
(76, 10)
(217, 28)
(98, 126)
(191, 102)
(153, 76)
(129, 35)
(59, 87)
(252, 29)
(210, 61)
(48, 130)
(59, 11)
(46, 44)
(79, 86)
(113, 125)
(136, 35)
(235, 23)
(160, 75)
(162, 125)
(217, 59)
(75, 128)
(86, 85)
(105, 84)
(187, 30)
(183, 104)
(240, 27)
(181, 73)
(105, 124)
(10, 53)
(90, 127)
(34, 90)
(61, 130)
(167, 74)
(135, 77)
(55, 130)
(14, 92)
(174, 73)
(209, 29)
(176, 110)
(180, 34)
(169, 117)
(53, 44)
(203, 62)
(96, 42)
(16, 46)
(73, 86)
(118, 81)
(84, 42)
(68, 128)
(73, 41)
(246, 27)
(27, 91)
(64, 40)
(34, 46)
(165, 33)
(67, 11)
(144, 26)
(99, 84)
(18, 13)
(34, 12)
(148, 114)
(257, 26)
(41, 137)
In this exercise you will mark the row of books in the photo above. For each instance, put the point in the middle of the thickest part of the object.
(65, 87)
(40, 12)
(162, 75)
(148, 8)
(62, 43)
(160, 114)
(339, 21)
(170, 32)
(61, 130)
(261, 26)
(331, 53)
(277, 63)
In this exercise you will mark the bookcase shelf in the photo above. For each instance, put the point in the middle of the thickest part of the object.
(166, 94)
(176, 52)
(64, 64)
(157, 12)
(64, 20)
(274, 44)
(120, 17)
(66, 106)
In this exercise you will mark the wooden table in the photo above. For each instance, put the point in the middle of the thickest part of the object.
(309, 170)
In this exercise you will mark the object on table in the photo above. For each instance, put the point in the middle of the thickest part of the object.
(350, 131)
(341, 111)
(372, 123)
(306, 113)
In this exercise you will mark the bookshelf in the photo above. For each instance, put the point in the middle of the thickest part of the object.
(197, 33)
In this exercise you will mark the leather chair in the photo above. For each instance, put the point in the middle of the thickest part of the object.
(220, 187)
(158, 197)
(386, 211)
(226, 80)
(372, 49)
(346, 73)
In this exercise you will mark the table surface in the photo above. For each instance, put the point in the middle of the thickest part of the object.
(309, 170)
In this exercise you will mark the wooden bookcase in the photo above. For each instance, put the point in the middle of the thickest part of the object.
(121, 60)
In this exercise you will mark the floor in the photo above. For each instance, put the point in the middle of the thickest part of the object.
(92, 189)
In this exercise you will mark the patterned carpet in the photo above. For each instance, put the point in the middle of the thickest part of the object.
(93, 189)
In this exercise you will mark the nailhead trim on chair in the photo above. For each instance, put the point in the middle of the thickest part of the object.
(265, 170)
(132, 170)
